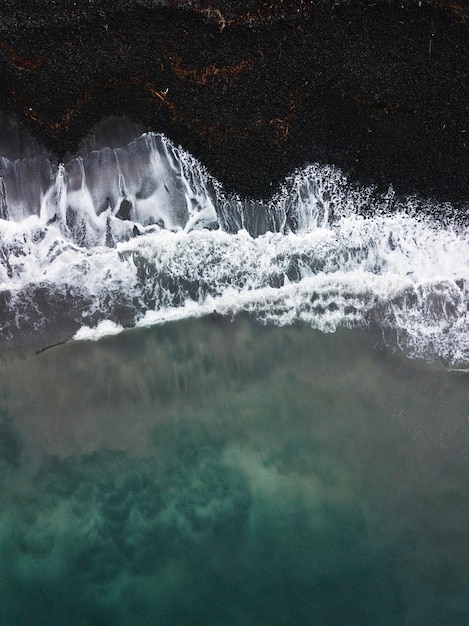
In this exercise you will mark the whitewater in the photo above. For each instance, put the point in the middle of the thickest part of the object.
(142, 234)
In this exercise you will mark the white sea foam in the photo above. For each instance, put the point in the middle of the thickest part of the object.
(125, 237)
(103, 329)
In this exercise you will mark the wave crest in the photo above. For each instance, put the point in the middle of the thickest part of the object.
(142, 234)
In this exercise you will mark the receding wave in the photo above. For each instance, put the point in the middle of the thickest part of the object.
(142, 234)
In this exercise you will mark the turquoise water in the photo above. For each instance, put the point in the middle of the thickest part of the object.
(215, 472)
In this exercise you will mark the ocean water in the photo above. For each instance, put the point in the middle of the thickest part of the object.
(219, 411)
(213, 471)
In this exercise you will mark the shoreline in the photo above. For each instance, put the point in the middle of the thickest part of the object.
(378, 89)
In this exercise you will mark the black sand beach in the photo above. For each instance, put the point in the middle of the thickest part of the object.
(254, 89)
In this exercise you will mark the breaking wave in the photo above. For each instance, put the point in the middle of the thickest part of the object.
(142, 234)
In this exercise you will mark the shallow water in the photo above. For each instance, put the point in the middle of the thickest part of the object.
(221, 472)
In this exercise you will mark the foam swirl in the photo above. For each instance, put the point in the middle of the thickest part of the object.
(142, 234)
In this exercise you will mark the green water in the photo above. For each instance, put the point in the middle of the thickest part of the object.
(220, 473)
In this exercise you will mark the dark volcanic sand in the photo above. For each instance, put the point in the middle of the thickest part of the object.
(379, 88)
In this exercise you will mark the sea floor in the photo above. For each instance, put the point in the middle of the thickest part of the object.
(218, 472)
